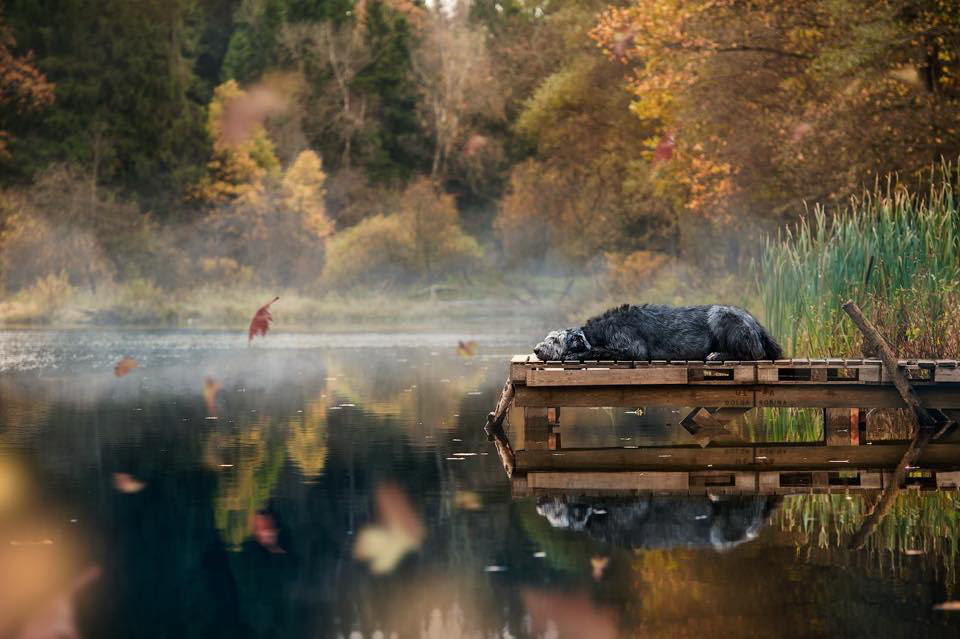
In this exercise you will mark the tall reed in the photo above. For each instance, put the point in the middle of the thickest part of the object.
(895, 252)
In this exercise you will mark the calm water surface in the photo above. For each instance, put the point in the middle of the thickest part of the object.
(341, 486)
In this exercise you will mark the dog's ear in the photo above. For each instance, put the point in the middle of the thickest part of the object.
(578, 342)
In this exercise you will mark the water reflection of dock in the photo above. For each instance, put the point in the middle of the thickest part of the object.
(716, 395)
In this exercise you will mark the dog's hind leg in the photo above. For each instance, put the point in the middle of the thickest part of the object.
(736, 333)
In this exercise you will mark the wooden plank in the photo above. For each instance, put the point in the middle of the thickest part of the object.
(518, 372)
(607, 376)
(809, 395)
(947, 375)
(849, 395)
(627, 481)
(948, 479)
(633, 396)
(764, 458)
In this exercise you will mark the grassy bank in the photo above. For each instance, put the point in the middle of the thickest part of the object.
(53, 302)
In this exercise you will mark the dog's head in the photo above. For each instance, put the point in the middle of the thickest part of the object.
(567, 343)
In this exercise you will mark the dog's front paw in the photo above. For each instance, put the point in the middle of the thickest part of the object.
(713, 357)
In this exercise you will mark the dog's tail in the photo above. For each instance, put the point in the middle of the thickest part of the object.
(771, 349)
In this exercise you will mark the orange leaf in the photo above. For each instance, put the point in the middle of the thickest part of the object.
(124, 366)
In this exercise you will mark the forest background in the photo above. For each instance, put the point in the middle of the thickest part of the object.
(182, 161)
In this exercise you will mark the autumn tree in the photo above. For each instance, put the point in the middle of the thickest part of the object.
(772, 104)
(22, 86)
(455, 78)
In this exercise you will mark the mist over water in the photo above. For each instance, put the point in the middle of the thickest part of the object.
(341, 486)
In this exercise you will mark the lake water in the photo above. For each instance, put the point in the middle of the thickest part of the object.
(341, 486)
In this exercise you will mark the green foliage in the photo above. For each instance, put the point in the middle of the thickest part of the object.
(125, 102)
(254, 45)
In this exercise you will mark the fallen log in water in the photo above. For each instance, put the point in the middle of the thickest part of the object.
(495, 432)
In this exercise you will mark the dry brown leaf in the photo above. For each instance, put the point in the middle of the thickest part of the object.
(599, 566)
(127, 483)
(125, 366)
(467, 350)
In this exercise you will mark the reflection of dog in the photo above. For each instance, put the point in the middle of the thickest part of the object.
(652, 331)
(662, 521)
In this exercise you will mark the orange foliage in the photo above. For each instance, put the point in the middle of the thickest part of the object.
(21, 84)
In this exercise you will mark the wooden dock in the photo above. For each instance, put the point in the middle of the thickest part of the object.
(717, 393)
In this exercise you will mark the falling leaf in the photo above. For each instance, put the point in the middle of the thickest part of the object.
(127, 483)
(210, 389)
(56, 617)
(599, 566)
(124, 366)
(467, 500)
(265, 532)
(952, 606)
(260, 323)
(466, 350)
(573, 612)
(398, 531)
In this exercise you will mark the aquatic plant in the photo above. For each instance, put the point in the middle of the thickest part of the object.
(895, 252)
(921, 524)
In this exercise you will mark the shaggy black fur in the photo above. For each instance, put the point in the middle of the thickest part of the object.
(653, 331)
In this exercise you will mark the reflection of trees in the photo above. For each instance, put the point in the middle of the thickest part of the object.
(252, 458)
(307, 439)
(426, 397)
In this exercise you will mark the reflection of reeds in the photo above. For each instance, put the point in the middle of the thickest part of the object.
(896, 253)
(926, 523)
(784, 424)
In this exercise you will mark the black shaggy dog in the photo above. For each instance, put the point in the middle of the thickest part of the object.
(653, 331)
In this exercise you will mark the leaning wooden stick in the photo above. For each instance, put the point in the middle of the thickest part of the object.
(924, 430)
(889, 359)
(495, 432)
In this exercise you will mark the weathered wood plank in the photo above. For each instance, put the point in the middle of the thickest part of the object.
(607, 377)
(767, 458)
(794, 395)
(633, 396)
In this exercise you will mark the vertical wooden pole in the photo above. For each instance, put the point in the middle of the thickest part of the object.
(553, 419)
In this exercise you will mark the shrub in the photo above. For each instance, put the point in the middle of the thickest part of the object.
(629, 273)
(372, 252)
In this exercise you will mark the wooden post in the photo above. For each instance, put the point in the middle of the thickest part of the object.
(553, 437)
(841, 426)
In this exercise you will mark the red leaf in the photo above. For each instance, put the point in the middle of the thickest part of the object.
(261, 320)
(664, 150)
